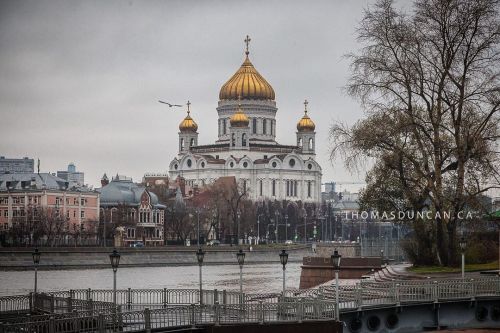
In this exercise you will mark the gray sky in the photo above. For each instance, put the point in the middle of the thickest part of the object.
(80, 80)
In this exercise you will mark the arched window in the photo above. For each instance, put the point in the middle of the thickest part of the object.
(264, 126)
(244, 140)
(191, 143)
(182, 144)
(274, 187)
(300, 142)
(224, 126)
(272, 127)
(311, 143)
(233, 140)
(254, 126)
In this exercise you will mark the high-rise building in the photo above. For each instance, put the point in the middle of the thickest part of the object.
(16, 165)
(71, 175)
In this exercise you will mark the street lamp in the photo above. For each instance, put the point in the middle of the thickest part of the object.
(36, 260)
(463, 245)
(283, 260)
(200, 254)
(286, 227)
(241, 261)
(115, 261)
(336, 267)
(238, 232)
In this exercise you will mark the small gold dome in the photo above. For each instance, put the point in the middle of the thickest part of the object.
(248, 84)
(239, 118)
(188, 124)
(305, 124)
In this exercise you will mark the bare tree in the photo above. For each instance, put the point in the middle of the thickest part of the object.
(430, 84)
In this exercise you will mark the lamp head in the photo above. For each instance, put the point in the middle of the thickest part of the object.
(114, 259)
(200, 255)
(36, 256)
(241, 257)
(283, 258)
(336, 260)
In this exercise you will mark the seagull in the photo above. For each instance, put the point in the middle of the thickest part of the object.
(170, 105)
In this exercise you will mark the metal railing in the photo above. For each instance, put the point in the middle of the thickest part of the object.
(179, 316)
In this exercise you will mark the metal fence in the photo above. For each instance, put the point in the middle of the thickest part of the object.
(179, 316)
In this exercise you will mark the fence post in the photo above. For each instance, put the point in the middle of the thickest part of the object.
(300, 311)
(261, 312)
(436, 291)
(89, 294)
(100, 323)
(70, 304)
(165, 297)
(90, 305)
(359, 295)
(31, 296)
(147, 320)
(191, 315)
(129, 298)
(216, 296)
(52, 325)
(216, 313)
(52, 303)
(396, 290)
(224, 297)
(472, 288)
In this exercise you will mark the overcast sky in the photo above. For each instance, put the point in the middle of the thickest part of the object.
(80, 80)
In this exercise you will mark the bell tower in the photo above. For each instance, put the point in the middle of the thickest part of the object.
(306, 137)
(188, 132)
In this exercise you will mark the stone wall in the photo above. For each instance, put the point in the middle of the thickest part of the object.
(56, 258)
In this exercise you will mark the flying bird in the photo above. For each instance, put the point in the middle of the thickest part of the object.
(170, 105)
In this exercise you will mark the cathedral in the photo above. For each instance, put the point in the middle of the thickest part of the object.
(246, 147)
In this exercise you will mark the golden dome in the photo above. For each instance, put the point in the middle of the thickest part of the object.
(239, 118)
(247, 83)
(305, 123)
(188, 124)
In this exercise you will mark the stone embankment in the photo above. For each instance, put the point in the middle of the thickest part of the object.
(64, 258)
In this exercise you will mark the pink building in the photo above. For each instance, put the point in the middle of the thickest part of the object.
(25, 197)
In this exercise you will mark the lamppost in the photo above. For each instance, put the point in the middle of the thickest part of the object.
(238, 232)
(382, 256)
(283, 260)
(200, 254)
(258, 228)
(36, 260)
(115, 261)
(305, 226)
(198, 218)
(241, 261)
(463, 245)
(336, 267)
(286, 228)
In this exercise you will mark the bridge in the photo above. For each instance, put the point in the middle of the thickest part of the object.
(367, 306)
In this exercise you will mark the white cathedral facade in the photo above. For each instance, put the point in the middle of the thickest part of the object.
(246, 147)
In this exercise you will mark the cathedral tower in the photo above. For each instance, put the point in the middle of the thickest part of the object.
(188, 135)
(306, 136)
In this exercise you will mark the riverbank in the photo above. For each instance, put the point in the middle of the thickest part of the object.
(75, 258)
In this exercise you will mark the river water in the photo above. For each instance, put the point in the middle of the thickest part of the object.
(257, 278)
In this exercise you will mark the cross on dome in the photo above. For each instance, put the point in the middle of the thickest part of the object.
(188, 104)
(247, 41)
(305, 105)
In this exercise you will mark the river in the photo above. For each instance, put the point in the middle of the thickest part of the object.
(257, 278)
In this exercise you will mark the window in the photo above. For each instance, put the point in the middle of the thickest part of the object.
(309, 166)
(233, 140)
(272, 123)
(287, 188)
(82, 214)
(260, 187)
(311, 143)
(244, 140)
(224, 126)
(264, 126)
(274, 164)
(300, 142)
(245, 164)
(67, 214)
(309, 189)
(274, 187)
(291, 163)
(4, 201)
(5, 213)
(254, 125)
(189, 163)
(191, 143)
(83, 201)
(74, 213)
(182, 144)
(244, 186)
(175, 166)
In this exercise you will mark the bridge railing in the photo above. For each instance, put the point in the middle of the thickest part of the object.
(17, 303)
(178, 316)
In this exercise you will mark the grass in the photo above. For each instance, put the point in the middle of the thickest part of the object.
(440, 269)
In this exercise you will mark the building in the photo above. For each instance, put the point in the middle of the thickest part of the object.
(71, 175)
(28, 194)
(246, 147)
(132, 208)
(16, 165)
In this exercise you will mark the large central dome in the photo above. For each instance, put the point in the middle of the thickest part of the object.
(246, 83)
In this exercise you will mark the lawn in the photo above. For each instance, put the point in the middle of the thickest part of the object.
(439, 269)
